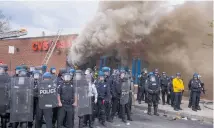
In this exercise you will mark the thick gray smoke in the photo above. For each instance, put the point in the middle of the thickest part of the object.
(175, 41)
(116, 23)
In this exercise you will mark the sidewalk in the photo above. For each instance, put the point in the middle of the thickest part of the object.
(204, 114)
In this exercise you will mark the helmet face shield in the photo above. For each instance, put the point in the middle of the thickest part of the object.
(53, 71)
(67, 77)
(32, 69)
(2, 70)
(152, 79)
(22, 73)
(17, 71)
(122, 75)
(36, 76)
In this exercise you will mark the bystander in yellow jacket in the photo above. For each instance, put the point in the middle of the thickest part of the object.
(178, 85)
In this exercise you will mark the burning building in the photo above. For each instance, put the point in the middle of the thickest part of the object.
(32, 50)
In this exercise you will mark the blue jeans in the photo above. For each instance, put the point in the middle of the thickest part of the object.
(177, 102)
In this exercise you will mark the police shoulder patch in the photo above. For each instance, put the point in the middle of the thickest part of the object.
(104, 86)
(71, 85)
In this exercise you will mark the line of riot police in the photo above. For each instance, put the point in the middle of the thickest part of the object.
(34, 95)
(171, 88)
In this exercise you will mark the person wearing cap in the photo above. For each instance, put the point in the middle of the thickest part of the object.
(178, 88)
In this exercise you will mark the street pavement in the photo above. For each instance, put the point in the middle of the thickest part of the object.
(205, 114)
(142, 120)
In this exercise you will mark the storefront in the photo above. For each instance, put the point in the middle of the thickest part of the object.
(32, 51)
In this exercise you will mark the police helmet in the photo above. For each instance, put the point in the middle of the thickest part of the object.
(4, 66)
(106, 69)
(195, 75)
(62, 71)
(151, 73)
(145, 70)
(53, 70)
(47, 75)
(72, 71)
(164, 74)
(67, 77)
(178, 74)
(2, 70)
(101, 73)
(22, 72)
(156, 71)
(44, 68)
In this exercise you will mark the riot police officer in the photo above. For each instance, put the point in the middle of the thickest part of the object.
(17, 69)
(103, 94)
(125, 96)
(164, 81)
(195, 86)
(116, 94)
(67, 100)
(190, 92)
(47, 100)
(141, 87)
(22, 74)
(152, 87)
(108, 82)
(53, 72)
(4, 87)
(93, 95)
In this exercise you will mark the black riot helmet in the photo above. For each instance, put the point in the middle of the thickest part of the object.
(62, 71)
(2, 70)
(67, 77)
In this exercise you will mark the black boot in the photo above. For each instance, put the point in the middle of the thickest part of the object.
(103, 123)
(149, 111)
(198, 108)
(156, 111)
(130, 119)
(194, 109)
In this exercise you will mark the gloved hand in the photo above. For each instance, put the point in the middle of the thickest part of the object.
(95, 101)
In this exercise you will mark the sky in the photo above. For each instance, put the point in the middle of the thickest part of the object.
(50, 16)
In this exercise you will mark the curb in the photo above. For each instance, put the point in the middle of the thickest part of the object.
(181, 114)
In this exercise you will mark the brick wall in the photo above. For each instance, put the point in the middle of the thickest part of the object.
(24, 52)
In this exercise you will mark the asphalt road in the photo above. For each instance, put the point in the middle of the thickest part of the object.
(142, 120)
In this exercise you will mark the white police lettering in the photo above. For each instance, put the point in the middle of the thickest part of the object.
(48, 91)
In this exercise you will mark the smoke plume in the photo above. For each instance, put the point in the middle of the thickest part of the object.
(174, 41)
(116, 23)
